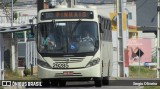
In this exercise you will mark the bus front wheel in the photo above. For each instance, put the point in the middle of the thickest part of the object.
(105, 80)
(54, 83)
(45, 82)
(98, 82)
(62, 83)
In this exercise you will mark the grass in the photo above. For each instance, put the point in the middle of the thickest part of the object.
(151, 87)
(145, 72)
(10, 75)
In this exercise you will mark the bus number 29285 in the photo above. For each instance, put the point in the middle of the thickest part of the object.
(60, 65)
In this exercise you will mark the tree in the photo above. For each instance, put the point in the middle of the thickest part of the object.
(6, 6)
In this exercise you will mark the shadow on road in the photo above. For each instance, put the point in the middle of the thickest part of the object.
(72, 84)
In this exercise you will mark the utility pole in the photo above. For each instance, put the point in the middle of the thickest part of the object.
(158, 40)
(120, 39)
(11, 13)
(75, 2)
(1, 57)
(71, 3)
(13, 45)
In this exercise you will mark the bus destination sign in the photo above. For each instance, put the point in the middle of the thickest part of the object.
(67, 15)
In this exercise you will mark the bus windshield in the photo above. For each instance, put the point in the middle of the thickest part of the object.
(67, 37)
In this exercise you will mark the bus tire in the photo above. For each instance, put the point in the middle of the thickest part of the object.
(62, 83)
(105, 80)
(54, 83)
(98, 82)
(45, 82)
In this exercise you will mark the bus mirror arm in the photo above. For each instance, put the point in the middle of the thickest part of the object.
(32, 29)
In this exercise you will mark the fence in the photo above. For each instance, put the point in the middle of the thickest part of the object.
(21, 20)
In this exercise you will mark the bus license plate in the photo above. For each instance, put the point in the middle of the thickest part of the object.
(68, 72)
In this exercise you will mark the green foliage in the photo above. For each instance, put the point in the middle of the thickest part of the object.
(27, 72)
(9, 74)
(1, 87)
(145, 72)
(14, 75)
(15, 15)
(151, 87)
(14, 1)
(133, 68)
(6, 65)
(154, 59)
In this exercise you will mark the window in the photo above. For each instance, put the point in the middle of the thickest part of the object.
(67, 37)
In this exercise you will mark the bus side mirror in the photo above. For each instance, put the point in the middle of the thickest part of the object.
(32, 30)
(101, 29)
(33, 27)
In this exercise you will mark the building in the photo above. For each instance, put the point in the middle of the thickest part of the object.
(23, 15)
(147, 21)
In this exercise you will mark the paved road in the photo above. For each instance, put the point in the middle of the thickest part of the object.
(109, 87)
(83, 87)
(113, 84)
(86, 85)
(124, 83)
(90, 85)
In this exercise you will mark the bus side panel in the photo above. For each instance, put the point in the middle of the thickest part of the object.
(106, 51)
(110, 54)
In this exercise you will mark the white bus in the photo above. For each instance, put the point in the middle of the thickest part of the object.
(73, 44)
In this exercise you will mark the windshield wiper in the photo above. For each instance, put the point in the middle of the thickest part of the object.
(75, 27)
(54, 23)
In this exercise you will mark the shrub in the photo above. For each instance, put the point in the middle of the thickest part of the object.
(27, 72)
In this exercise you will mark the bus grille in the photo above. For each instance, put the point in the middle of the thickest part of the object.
(74, 74)
(68, 60)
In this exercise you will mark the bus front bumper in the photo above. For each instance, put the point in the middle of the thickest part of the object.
(90, 72)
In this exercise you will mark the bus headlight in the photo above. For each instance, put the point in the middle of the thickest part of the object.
(43, 64)
(93, 62)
